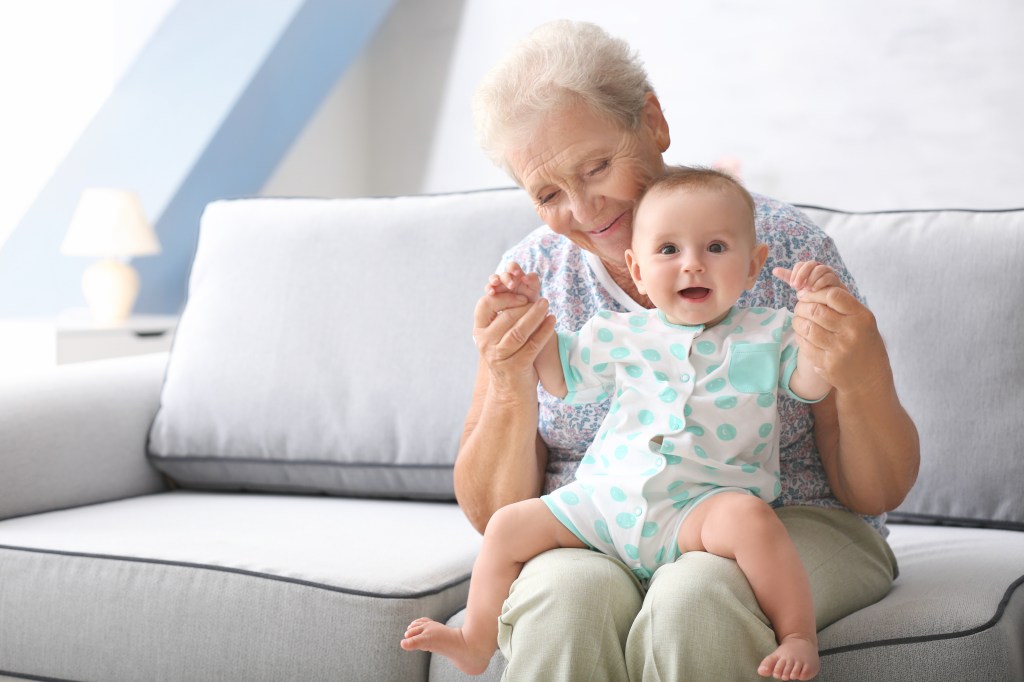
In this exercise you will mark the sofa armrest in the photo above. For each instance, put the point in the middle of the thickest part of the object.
(76, 434)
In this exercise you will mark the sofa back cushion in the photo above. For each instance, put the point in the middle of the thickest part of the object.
(947, 289)
(326, 345)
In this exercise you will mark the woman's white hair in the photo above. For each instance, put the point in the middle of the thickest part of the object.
(558, 64)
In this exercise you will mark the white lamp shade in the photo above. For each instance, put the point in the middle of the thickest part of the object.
(109, 223)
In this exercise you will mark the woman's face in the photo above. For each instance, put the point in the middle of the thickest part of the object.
(584, 174)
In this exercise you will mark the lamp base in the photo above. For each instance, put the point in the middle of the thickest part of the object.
(110, 288)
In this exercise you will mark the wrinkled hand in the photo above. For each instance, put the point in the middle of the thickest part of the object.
(836, 333)
(510, 326)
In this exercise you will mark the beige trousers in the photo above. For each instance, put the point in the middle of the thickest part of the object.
(575, 614)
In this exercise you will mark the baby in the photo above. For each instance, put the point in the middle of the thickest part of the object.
(687, 456)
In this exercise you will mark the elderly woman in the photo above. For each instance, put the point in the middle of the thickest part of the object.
(572, 118)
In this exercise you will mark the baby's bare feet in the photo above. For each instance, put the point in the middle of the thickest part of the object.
(424, 634)
(795, 659)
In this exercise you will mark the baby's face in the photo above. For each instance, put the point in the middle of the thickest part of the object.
(694, 252)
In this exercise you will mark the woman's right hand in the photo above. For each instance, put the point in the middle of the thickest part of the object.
(510, 326)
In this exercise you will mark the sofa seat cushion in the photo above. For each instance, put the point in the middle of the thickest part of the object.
(956, 612)
(206, 586)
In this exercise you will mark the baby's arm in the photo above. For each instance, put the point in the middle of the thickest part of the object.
(806, 382)
(548, 363)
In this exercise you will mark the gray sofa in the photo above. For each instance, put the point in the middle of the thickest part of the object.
(149, 528)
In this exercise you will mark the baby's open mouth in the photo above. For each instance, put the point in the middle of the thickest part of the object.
(695, 293)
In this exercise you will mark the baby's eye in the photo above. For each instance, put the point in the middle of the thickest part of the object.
(668, 250)
(716, 247)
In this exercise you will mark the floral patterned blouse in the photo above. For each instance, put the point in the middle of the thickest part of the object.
(577, 285)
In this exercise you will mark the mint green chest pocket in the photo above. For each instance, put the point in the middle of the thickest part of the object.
(754, 367)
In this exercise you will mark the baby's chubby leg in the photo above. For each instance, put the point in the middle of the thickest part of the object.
(743, 527)
(514, 535)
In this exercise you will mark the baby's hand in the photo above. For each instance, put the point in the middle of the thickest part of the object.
(809, 275)
(515, 281)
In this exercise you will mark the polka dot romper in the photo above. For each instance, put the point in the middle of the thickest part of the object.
(693, 413)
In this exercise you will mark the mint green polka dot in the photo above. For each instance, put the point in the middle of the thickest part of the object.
(673, 459)
(615, 407)
(705, 347)
(660, 556)
(617, 494)
(754, 489)
(634, 371)
(687, 410)
(601, 397)
(585, 356)
(737, 330)
(759, 310)
(711, 369)
(601, 367)
(675, 484)
(768, 320)
(674, 422)
(700, 452)
(661, 376)
(695, 429)
(569, 497)
(726, 402)
(632, 551)
(604, 335)
(787, 352)
(651, 354)
(731, 460)
(787, 324)
(646, 417)
(668, 395)
(667, 447)
(638, 320)
(678, 350)
(650, 529)
(778, 489)
(576, 376)
(619, 352)
(766, 399)
(621, 452)
(588, 459)
(716, 385)
(684, 377)
(749, 469)
(625, 520)
(759, 449)
(602, 531)
(606, 314)
(726, 432)
(777, 334)
(765, 430)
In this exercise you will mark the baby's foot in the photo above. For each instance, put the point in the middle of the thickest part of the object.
(795, 659)
(424, 634)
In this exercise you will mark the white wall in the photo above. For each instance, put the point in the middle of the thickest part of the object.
(855, 104)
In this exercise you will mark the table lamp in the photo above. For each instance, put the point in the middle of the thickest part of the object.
(109, 224)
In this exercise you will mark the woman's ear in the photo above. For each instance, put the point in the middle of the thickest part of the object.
(654, 120)
(634, 271)
(757, 260)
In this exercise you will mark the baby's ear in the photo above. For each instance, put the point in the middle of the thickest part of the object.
(757, 260)
(634, 271)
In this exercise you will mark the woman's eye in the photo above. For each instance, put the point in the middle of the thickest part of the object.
(668, 250)
(547, 198)
(716, 247)
(597, 169)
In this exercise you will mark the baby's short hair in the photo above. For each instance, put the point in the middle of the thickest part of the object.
(699, 178)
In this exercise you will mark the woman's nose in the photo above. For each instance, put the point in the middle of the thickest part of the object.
(586, 207)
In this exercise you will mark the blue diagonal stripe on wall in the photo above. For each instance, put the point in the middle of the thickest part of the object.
(208, 110)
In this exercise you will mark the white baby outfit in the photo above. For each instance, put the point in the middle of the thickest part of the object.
(694, 414)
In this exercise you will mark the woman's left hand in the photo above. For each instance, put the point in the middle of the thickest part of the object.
(840, 337)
